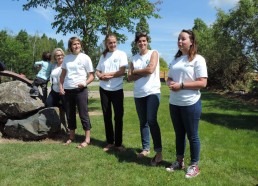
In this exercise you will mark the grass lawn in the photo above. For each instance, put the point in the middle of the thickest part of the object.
(229, 151)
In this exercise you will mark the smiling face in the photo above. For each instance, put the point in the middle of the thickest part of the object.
(184, 42)
(59, 57)
(76, 47)
(142, 44)
(111, 43)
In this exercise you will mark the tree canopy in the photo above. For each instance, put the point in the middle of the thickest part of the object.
(89, 18)
(19, 52)
(142, 26)
(230, 46)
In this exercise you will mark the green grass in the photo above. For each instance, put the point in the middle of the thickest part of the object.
(229, 151)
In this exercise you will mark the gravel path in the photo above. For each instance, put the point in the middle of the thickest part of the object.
(95, 93)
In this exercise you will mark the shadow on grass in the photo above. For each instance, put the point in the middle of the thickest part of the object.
(129, 155)
(218, 103)
(232, 122)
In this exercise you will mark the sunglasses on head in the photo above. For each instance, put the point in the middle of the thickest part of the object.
(141, 34)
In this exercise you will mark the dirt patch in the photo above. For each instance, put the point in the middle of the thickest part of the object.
(95, 113)
(95, 94)
(246, 98)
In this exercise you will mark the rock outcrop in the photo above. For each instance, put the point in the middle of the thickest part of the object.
(24, 117)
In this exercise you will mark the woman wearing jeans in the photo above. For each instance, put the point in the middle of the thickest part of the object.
(145, 72)
(187, 75)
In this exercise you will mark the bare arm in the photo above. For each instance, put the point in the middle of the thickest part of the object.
(61, 82)
(87, 81)
(90, 78)
(130, 76)
(194, 85)
(150, 68)
(109, 75)
(197, 84)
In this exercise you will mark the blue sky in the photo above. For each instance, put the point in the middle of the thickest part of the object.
(176, 15)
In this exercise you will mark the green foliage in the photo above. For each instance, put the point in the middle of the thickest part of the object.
(89, 18)
(163, 63)
(21, 51)
(142, 26)
(230, 46)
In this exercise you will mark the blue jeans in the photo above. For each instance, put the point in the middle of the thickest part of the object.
(186, 121)
(147, 109)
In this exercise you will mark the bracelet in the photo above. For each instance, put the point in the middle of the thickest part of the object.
(182, 85)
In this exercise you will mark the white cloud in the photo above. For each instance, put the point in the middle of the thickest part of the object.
(47, 14)
(223, 3)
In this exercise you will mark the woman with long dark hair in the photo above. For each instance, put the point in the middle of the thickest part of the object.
(187, 75)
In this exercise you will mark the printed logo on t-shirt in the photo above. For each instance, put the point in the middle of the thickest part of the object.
(80, 65)
(189, 65)
(115, 60)
(147, 62)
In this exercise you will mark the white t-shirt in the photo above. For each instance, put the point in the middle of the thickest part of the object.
(181, 70)
(149, 84)
(55, 77)
(111, 63)
(77, 67)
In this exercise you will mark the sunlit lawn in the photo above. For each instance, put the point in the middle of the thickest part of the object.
(229, 151)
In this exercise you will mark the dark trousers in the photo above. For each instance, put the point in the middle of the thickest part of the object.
(54, 99)
(77, 97)
(116, 98)
(43, 84)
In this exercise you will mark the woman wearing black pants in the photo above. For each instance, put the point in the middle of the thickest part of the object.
(110, 71)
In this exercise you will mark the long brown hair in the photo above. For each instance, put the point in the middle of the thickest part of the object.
(193, 48)
(106, 40)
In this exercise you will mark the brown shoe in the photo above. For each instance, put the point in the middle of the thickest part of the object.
(108, 147)
(156, 160)
(143, 153)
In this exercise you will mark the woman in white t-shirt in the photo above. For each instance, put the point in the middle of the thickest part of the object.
(110, 71)
(54, 98)
(144, 71)
(187, 75)
(77, 73)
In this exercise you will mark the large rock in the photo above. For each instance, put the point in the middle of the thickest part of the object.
(15, 100)
(3, 120)
(45, 123)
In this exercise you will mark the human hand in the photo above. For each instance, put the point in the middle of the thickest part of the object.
(61, 91)
(174, 86)
(82, 84)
